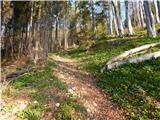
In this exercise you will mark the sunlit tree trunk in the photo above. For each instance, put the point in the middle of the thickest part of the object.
(156, 11)
(149, 20)
(115, 22)
(137, 14)
(37, 41)
(141, 13)
(31, 33)
(46, 40)
(66, 29)
(158, 4)
(118, 18)
(128, 20)
(110, 19)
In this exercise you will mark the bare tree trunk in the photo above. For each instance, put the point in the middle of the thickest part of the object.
(118, 18)
(138, 15)
(46, 31)
(149, 19)
(56, 31)
(93, 19)
(11, 43)
(37, 43)
(30, 33)
(66, 28)
(128, 20)
(110, 19)
(115, 22)
(141, 13)
(156, 11)
(158, 4)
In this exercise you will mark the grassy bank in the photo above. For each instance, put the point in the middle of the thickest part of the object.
(135, 87)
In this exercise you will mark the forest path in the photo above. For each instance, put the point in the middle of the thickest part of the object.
(82, 84)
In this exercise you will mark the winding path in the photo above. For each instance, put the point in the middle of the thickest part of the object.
(82, 84)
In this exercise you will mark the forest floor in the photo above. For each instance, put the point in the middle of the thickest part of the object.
(82, 84)
(55, 92)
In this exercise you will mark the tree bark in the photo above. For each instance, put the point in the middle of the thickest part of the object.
(37, 41)
(156, 11)
(149, 19)
(110, 19)
(128, 20)
(158, 4)
(141, 14)
(118, 18)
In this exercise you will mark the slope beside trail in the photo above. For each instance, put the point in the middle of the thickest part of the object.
(82, 84)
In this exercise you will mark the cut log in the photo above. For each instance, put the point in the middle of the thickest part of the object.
(132, 51)
(135, 59)
(129, 52)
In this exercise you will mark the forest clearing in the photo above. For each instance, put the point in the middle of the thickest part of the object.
(80, 60)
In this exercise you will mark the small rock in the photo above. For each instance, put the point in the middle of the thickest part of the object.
(57, 104)
(74, 88)
(22, 106)
(94, 104)
(35, 102)
(70, 91)
(88, 110)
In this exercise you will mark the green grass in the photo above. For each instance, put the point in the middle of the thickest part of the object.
(104, 50)
(135, 87)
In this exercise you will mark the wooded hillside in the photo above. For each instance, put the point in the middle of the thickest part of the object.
(80, 60)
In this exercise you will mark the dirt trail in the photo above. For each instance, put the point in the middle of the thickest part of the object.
(80, 83)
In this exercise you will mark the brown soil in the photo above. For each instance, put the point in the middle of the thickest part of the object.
(98, 104)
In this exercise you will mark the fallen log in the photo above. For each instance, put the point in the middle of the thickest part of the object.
(129, 52)
(134, 60)
(15, 74)
(132, 51)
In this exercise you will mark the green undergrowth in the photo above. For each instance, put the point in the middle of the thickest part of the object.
(43, 93)
(103, 50)
(135, 87)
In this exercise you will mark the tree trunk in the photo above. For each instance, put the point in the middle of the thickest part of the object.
(31, 33)
(118, 18)
(93, 19)
(115, 22)
(110, 19)
(46, 40)
(128, 20)
(158, 4)
(141, 14)
(37, 41)
(156, 11)
(56, 31)
(149, 19)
